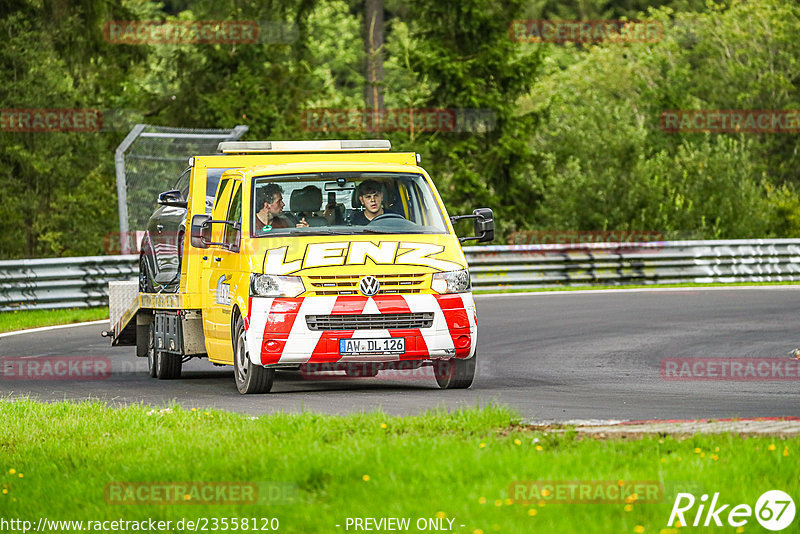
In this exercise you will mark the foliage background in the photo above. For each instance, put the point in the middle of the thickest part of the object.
(576, 143)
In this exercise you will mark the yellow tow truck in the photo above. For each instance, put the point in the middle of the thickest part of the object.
(296, 254)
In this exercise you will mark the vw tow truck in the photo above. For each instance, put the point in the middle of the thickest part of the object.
(362, 273)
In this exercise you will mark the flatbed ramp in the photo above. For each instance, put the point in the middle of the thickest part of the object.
(124, 303)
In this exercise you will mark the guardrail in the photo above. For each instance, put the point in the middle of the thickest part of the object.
(62, 282)
(83, 282)
(656, 262)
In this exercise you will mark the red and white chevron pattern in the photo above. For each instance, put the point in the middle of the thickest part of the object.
(277, 330)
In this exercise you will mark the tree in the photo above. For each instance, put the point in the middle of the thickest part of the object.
(605, 163)
(459, 56)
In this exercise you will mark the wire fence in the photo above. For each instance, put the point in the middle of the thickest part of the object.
(151, 159)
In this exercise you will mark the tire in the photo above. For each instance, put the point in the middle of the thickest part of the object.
(250, 378)
(168, 366)
(151, 350)
(455, 373)
(145, 284)
(162, 365)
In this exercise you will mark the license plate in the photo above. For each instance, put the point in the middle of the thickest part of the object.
(391, 345)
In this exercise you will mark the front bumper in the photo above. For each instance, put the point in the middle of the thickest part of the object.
(277, 333)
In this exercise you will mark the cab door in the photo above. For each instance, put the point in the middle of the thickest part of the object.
(220, 273)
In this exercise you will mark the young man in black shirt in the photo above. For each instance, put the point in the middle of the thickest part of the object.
(371, 197)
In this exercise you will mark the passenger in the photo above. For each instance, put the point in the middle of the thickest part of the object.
(271, 215)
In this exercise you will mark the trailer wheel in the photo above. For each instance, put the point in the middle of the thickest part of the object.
(250, 378)
(455, 373)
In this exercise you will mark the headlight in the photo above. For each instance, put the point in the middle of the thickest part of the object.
(268, 285)
(451, 282)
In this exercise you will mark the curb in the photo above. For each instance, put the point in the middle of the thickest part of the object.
(784, 426)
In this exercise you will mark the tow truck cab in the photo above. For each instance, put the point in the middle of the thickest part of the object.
(335, 255)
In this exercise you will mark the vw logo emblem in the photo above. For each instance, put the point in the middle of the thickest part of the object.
(369, 286)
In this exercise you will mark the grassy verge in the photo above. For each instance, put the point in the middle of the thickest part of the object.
(58, 460)
(22, 319)
(631, 286)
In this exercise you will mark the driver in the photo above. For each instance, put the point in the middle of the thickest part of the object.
(371, 197)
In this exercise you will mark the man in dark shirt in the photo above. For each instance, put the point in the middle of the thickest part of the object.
(271, 214)
(371, 197)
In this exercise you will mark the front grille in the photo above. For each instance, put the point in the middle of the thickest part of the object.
(347, 284)
(373, 321)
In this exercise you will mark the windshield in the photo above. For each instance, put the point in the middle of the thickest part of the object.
(345, 203)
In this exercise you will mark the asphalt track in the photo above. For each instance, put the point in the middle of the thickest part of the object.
(551, 356)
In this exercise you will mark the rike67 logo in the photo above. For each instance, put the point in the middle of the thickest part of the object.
(774, 510)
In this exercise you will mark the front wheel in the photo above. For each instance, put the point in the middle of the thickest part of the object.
(455, 373)
(250, 378)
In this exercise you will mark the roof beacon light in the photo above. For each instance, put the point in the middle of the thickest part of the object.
(342, 145)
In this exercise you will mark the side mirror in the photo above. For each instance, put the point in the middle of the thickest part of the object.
(483, 225)
(172, 198)
(201, 231)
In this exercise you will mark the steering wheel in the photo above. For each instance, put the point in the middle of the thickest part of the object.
(386, 216)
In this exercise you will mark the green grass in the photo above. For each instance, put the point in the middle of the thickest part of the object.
(631, 286)
(455, 465)
(22, 319)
